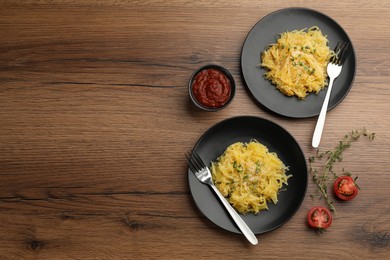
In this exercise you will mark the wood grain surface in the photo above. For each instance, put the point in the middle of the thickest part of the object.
(95, 119)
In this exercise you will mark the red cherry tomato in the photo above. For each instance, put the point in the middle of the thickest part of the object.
(345, 188)
(319, 217)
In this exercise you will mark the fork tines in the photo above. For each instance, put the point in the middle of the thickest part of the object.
(194, 161)
(341, 52)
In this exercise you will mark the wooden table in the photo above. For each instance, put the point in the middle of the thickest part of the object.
(95, 119)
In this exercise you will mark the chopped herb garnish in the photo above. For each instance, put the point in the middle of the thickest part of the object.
(238, 167)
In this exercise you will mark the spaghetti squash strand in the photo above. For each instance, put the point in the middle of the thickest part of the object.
(249, 176)
(296, 63)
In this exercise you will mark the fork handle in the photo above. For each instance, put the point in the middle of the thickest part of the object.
(321, 119)
(237, 219)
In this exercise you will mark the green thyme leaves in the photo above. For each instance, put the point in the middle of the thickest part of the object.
(325, 172)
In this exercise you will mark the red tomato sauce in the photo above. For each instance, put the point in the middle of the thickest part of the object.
(211, 88)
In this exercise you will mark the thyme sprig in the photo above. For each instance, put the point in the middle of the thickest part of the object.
(323, 177)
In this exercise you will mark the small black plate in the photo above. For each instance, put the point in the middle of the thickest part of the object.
(266, 32)
(242, 129)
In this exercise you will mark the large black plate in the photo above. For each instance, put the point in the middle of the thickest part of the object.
(266, 32)
(244, 128)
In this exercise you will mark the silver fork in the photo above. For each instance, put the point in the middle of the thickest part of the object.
(334, 69)
(203, 174)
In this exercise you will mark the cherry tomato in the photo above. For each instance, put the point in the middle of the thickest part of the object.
(345, 188)
(319, 217)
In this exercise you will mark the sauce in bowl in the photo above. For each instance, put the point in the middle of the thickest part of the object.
(211, 88)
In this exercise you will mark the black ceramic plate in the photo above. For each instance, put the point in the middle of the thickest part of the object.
(266, 32)
(242, 129)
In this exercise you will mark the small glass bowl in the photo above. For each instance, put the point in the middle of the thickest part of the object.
(226, 73)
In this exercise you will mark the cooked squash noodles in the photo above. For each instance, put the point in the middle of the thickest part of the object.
(297, 62)
(249, 176)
